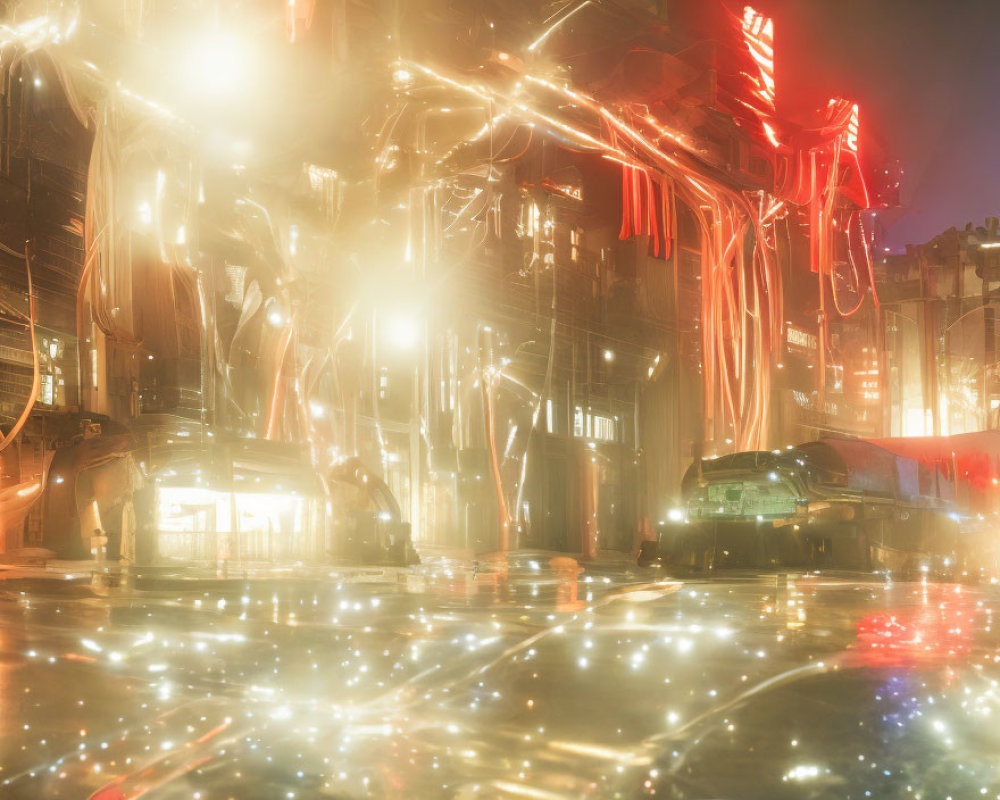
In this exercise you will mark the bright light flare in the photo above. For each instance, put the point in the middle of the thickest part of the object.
(217, 64)
(403, 332)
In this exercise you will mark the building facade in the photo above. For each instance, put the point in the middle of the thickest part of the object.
(524, 260)
(941, 336)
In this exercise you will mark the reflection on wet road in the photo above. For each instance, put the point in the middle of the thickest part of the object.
(449, 681)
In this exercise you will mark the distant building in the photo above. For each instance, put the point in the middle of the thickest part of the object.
(940, 307)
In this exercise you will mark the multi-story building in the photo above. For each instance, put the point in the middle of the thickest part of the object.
(940, 315)
(525, 260)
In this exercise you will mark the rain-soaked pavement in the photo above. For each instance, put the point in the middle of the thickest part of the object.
(452, 681)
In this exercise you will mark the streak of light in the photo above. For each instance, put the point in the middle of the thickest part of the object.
(552, 28)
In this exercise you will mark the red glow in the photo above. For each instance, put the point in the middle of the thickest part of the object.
(758, 34)
(851, 136)
(646, 205)
(973, 457)
(772, 137)
(930, 631)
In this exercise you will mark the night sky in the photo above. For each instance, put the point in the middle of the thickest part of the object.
(926, 74)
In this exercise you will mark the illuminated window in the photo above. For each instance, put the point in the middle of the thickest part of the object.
(575, 241)
(594, 426)
(46, 395)
(604, 428)
(530, 218)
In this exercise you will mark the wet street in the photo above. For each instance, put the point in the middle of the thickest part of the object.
(457, 680)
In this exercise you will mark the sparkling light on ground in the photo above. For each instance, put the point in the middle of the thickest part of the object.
(445, 681)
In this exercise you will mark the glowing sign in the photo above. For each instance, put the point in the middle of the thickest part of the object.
(851, 135)
(801, 338)
(758, 34)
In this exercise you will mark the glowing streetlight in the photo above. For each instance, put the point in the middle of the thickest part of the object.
(275, 313)
(217, 63)
(403, 332)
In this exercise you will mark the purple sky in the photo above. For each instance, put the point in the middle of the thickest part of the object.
(923, 72)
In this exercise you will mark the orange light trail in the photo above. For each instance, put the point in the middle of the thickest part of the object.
(742, 292)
